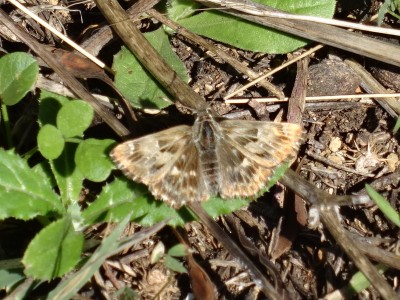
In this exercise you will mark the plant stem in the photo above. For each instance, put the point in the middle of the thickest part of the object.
(7, 131)
(29, 154)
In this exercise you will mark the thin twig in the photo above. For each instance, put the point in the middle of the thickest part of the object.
(58, 34)
(353, 97)
(336, 165)
(288, 63)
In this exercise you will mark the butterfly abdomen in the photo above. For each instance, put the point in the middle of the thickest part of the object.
(210, 171)
(206, 144)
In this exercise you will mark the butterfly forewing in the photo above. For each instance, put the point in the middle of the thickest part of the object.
(167, 162)
(148, 158)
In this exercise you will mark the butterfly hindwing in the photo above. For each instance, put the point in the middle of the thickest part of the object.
(184, 182)
(240, 174)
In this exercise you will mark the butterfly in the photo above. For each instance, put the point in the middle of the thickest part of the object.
(215, 156)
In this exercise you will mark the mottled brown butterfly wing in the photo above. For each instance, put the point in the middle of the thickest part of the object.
(251, 151)
(166, 161)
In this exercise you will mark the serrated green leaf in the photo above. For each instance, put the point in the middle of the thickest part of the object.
(159, 211)
(136, 84)
(178, 250)
(116, 200)
(24, 194)
(123, 196)
(54, 251)
(74, 118)
(19, 72)
(250, 36)
(92, 159)
(50, 141)
(68, 177)
(174, 264)
(217, 206)
(43, 170)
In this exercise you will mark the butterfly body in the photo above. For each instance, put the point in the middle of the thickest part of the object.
(230, 158)
(206, 136)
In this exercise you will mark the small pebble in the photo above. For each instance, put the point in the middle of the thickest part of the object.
(335, 144)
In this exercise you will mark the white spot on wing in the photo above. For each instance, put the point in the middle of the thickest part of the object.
(245, 163)
(131, 147)
(175, 171)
